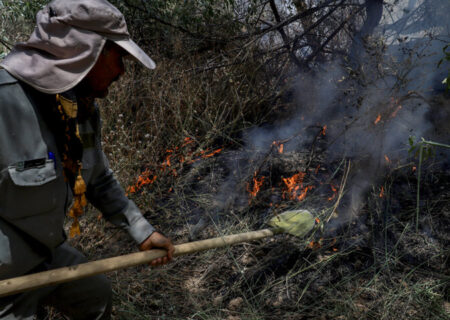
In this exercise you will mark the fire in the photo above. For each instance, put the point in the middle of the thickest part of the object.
(143, 179)
(211, 154)
(377, 119)
(167, 162)
(317, 169)
(257, 183)
(173, 162)
(279, 146)
(294, 185)
(314, 245)
(387, 159)
(334, 189)
(187, 141)
(394, 114)
(205, 154)
(324, 130)
(381, 195)
(317, 220)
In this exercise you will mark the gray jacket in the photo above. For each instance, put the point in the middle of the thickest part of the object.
(33, 194)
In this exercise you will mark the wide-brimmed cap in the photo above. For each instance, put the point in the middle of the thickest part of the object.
(66, 43)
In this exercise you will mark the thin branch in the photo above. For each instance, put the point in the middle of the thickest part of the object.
(260, 32)
(314, 25)
(284, 36)
(331, 37)
(6, 44)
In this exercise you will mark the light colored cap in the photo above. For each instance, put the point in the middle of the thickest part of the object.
(66, 43)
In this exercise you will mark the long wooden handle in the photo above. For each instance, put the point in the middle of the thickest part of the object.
(60, 275)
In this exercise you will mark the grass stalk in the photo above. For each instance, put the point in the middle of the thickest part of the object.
(422, 143)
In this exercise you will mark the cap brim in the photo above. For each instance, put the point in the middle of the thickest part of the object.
(132, 48)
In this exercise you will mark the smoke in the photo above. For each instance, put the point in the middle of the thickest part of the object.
(370, 107)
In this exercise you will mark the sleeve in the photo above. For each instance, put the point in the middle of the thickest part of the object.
(106, 194)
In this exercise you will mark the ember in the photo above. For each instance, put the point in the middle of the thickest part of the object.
(334, 189)
(143, 180)
(394, 114)
(257, 183)
(315, 245)
(324, 130)
(173, 161)
(317, 169)
(377, 119)
(209, 155)
(279, 146)
(381, 195)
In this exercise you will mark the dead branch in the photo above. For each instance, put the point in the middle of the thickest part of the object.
(284, 36)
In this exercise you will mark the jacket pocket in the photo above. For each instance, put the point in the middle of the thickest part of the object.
(30, 191)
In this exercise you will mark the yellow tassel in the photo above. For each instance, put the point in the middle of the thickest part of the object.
(70, 107)
(83, 200)
(80, 186)
(74, 228)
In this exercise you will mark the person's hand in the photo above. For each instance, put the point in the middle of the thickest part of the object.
(158, 241)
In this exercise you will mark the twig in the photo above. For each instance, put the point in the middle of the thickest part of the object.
(331, 37)
(341, 189)
(6, 44)
(284, 36)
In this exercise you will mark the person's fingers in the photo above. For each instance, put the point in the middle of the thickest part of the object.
(156, 262)
(170, 252)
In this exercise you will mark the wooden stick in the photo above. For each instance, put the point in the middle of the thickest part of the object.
(71, 273)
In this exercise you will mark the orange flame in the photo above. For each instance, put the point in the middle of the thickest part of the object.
(279, 146)
(394, 114)
(377, 119)
(205, 155)
(324, 130)
(317, 169)
(173, 161)
(187, 141)
(257, 183)
(334, 189)
(143, 179)
(387, 159)
(209, 155)
(381, 195)
(314, 245)
(294, 185)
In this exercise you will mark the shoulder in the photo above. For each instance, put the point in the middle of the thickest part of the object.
(6, 78)
(20, 132)
(11, 92)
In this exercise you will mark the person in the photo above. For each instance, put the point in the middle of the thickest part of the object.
(51, 156)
